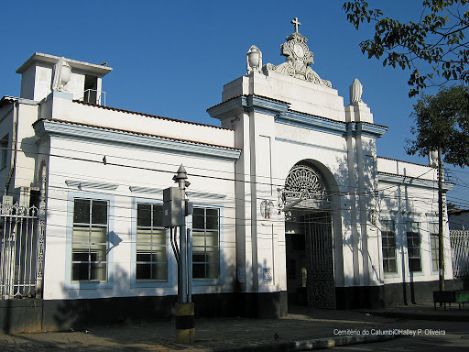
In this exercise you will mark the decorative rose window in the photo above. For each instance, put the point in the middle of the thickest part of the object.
(303, 182)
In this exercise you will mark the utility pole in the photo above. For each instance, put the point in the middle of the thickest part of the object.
(176, 207)
(441, 252)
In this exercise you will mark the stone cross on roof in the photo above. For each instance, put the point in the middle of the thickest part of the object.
(296, 23)
(299, 59)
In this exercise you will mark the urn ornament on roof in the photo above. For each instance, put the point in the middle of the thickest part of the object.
(62, 74)
(433, 158)
(356, 91)
(254, 59)
(298, 59)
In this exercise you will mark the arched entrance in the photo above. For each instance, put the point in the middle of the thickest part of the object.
(308, 235)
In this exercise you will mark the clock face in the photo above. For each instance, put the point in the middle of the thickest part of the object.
(298, 49)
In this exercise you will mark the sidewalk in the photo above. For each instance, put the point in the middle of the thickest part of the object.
(303, 329)
(424, 312)
(231, 334)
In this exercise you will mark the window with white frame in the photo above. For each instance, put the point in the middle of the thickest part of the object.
(151, 256)
(413, 247)
(435, 245)
(388, 239)
(89, 240)
(205, 243)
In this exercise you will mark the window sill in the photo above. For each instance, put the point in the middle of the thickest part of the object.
(416, 273)
(87, 285)
(205, 282)
(392, 275)
(149, 284)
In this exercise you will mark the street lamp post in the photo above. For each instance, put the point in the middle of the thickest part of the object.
(176, 207)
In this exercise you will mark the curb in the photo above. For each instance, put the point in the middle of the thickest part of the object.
(308, 345)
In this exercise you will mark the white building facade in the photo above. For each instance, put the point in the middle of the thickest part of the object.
(292, 205)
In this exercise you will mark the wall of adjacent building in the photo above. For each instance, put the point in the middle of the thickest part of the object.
(16, 123)
(6, 128)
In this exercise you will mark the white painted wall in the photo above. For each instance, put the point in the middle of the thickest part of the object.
(302, 96)
(120, 277)
(402, 204)
(405, 168)
(37, 75)
(60, 106)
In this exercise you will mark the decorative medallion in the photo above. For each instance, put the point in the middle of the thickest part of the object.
(299, 58)
(304, 182)
(267, 209)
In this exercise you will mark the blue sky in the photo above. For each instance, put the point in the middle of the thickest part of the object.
(172, 58)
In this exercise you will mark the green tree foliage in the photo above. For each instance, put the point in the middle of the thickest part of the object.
(442, 122)
(433, 47)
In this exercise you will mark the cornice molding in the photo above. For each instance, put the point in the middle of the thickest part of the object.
(228, 108)
(205, 195)
(411, 181)
(371, 129)
(247, 103)
(280, 111)
(311, 122)
(265, 106)
(190, 194)
(101, 134)
(146, 190)
(79, 184)
(311, 145)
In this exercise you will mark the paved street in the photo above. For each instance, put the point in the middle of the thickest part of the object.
(451, 342)
(441, 336)
(219, 334)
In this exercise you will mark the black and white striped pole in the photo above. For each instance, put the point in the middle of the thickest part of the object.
(176, 209)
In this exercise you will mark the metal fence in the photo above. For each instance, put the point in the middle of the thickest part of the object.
(460, 252)
(20, 249)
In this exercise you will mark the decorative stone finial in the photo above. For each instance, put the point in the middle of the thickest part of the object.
(254, 59)
(62, 74)
(433, 158)
(356, 91)
(181, 177)
(298, 59)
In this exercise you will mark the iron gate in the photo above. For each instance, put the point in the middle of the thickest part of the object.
(21, 251)
(460, 252)
(320, 276)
